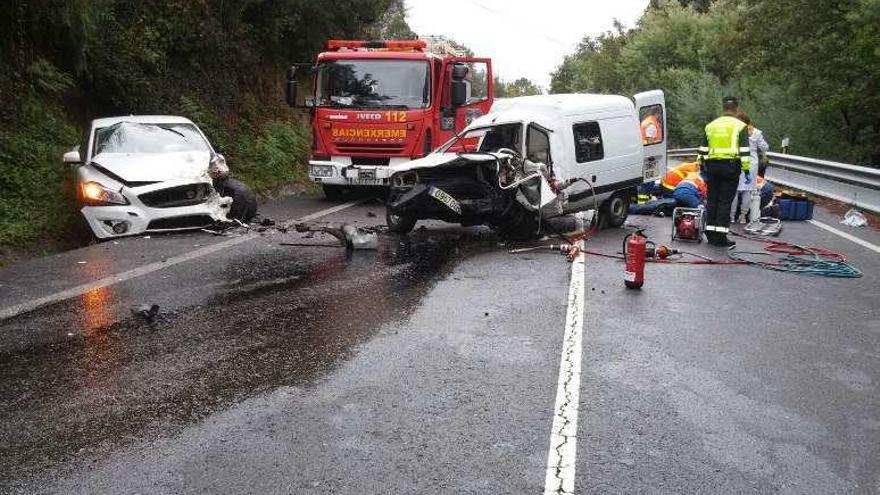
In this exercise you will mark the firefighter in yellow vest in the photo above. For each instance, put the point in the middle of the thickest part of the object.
(724, 155)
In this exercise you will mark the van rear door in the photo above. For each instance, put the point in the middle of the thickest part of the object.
(651, 106)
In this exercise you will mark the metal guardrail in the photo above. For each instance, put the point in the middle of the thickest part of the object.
(851, 184)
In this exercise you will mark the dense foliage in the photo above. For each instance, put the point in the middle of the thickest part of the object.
(806, 69)
(220, 63)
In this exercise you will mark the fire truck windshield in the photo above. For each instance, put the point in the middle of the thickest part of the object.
(373, 84)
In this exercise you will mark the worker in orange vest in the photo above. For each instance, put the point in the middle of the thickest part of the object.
(652, 129)
(677, 174)
(691, 191)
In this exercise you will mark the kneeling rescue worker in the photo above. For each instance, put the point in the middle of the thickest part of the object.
(724, 153)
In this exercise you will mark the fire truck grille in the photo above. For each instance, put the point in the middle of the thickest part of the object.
(370, 148)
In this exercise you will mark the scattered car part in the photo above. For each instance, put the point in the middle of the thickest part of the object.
(350, 237)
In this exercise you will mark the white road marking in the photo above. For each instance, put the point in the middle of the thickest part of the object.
(152, 267)
(845, 235)
(563, 434)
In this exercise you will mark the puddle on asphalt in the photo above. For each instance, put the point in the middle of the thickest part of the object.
(275, 321)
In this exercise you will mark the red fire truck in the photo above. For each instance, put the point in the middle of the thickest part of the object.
(379, 103)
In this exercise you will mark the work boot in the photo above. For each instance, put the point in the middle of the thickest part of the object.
(712, 237)
(724, 241)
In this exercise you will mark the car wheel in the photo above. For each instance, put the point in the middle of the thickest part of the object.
(333, 193)
(613, 212)
(244, 201)
(517, 225)
(399, 224)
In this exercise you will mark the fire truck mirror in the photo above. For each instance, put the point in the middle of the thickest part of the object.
(291, 93)
(459, 93)
(459, 72)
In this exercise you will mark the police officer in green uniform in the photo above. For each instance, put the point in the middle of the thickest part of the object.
(724, 153)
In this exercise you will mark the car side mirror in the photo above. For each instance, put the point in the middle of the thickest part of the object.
(458, 93)
(72, 157)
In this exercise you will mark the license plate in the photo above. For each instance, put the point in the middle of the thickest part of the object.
(443, 197)
(650, 169)
(367, 174)
(368, 182)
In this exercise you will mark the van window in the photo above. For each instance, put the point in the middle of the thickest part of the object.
(538, 145)
(587, 142)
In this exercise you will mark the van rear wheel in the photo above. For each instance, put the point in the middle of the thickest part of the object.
(613, 212)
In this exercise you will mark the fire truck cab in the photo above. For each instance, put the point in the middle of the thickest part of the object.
(375, 104)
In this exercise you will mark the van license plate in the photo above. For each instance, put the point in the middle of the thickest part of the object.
(443, 197)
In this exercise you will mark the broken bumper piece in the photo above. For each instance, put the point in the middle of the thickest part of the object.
(431, 202)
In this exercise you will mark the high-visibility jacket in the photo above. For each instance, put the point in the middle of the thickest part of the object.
(652, 130)
(697, 181)
(727, 138)
(676, 174)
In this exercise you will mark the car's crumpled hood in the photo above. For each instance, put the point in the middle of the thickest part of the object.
(156, 167)
(438, 159)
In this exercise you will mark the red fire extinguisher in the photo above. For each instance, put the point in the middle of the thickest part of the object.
(634, 247)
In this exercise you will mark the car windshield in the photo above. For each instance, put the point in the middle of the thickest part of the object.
(131, 137)
(486, 139)
(374, 84)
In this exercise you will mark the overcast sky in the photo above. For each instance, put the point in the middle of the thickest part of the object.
(524, 39)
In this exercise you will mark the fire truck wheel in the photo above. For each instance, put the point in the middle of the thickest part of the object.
(614, 210)
(399, 224)
(333, 193)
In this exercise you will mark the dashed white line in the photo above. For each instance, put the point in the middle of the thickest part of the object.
(151, 267)
(845, 235)
(561, 457)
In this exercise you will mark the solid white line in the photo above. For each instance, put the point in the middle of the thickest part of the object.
(152, 267)
(845, 235)
(563, 434)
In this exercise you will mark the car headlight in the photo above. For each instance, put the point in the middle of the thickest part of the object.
(95, 194)
(406, 179)
(322, 170)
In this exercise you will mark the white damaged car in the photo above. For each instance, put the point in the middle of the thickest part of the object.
(147, 173)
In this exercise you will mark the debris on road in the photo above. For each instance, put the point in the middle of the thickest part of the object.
(147, 312)
(350, 237)
(854, 218)
(370, 214)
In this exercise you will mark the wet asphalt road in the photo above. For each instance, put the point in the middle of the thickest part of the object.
(430, 365)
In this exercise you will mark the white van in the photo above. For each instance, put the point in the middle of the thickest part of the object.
(536, 157)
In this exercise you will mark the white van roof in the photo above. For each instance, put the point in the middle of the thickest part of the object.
(547, 109)
(566, 104)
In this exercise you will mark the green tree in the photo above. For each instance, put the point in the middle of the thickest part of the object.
(520, 87)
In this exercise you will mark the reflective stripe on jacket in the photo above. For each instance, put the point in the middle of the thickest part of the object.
(676, 174)
(727, 138)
